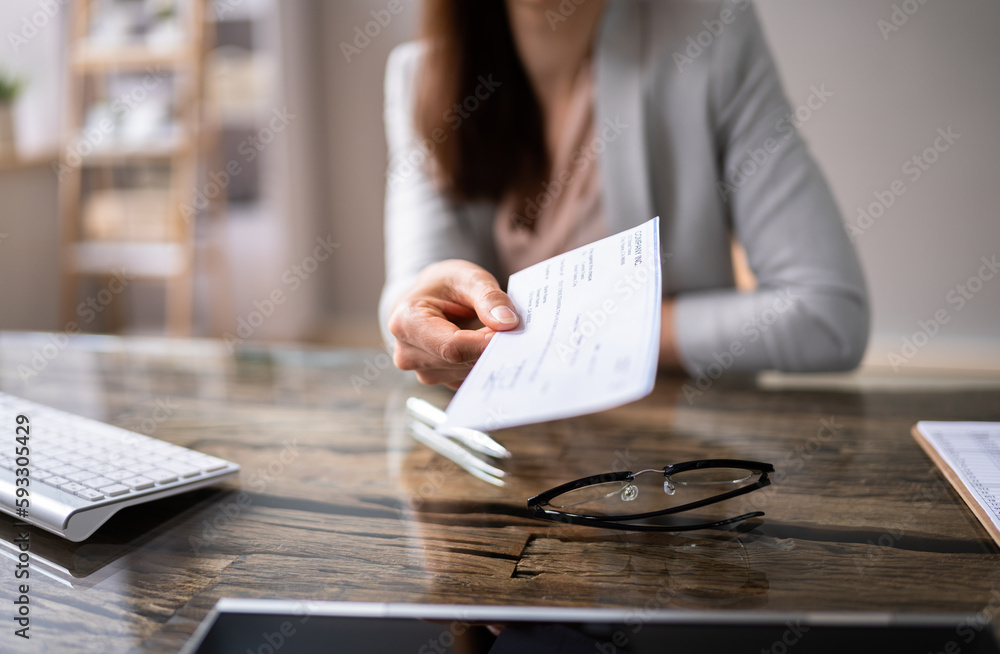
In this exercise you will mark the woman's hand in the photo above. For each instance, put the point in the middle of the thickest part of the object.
(435, 324)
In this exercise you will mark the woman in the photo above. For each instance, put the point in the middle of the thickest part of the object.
(519, 129)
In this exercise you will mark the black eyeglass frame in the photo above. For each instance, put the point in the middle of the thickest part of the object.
(621, 521)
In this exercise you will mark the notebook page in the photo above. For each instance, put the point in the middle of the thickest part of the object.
(968, 453)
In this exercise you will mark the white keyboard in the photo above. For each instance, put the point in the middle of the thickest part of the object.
(68, 474)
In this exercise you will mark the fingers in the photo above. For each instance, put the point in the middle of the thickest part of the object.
(429, 368)
(426, 338)
(476, 288)
(450, 378)
(429, 341)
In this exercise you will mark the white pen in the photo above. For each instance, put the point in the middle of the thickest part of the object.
(473, 438)
(455, 452)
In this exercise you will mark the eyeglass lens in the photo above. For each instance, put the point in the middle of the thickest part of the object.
(649, 491)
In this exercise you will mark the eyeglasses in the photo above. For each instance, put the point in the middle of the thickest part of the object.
(615, 499)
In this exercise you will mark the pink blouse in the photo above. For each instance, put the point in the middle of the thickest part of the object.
(566, 210)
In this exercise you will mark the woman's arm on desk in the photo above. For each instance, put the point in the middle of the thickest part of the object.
(809, 311)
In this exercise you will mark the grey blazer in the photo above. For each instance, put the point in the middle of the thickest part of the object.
(706, 140)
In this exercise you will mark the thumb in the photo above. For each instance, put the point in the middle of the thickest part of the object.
(493, 307)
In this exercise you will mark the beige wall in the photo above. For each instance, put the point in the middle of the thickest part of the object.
(29, 228)
(356, 146)
(890, 97)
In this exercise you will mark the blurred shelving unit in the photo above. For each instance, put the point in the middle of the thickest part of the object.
(137, 142)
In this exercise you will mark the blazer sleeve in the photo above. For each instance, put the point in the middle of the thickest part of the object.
(421, 225)
(810, 309)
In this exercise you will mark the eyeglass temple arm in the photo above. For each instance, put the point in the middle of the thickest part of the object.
(589, 521)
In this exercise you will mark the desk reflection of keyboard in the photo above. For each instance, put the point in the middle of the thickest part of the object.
(75, 472)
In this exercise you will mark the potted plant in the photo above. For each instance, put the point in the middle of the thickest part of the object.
(10, 88)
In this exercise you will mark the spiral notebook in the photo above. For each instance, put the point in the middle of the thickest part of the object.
(968, 453)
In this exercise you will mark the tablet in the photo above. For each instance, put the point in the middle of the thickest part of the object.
(248, 626)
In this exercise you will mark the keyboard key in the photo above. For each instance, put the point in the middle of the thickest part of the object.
(80, 477)
(72, 487)
(109, 458)
(138, 483)
(162, 476)
(188, 456)
(98, 482)
(45, 462)
(211, 464)
(181, 468)
(114, 490)
(90, 494)
(55, 480)
(118, 475)
(64, 470)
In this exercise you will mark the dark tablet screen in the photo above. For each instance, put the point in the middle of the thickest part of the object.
(240, 633)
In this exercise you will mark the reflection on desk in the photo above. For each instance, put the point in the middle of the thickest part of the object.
(337, 502)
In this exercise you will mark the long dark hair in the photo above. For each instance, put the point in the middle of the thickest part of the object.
(492, 145)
